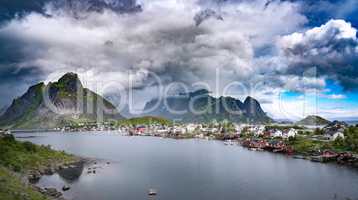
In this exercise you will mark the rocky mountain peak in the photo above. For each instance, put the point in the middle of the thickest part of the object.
(69, 77)
(253, 108)
(250, 100)
(70, 82)
(68, 102)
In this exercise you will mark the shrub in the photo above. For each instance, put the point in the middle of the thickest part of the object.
(30, 147)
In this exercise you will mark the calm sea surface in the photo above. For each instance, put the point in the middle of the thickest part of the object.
(192, 170)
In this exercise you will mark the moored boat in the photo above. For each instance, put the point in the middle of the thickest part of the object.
(152, 192)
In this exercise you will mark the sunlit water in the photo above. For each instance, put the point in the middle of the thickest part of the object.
(192, 170)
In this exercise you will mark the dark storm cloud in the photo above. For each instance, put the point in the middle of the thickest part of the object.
(20, 75)
(9, 9)
(206, 14)
(15, 81)
(19, 8)
(78, 8)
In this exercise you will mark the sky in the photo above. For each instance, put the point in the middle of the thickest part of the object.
(297, 57)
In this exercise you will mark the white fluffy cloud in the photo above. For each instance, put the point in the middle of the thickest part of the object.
(331, 48)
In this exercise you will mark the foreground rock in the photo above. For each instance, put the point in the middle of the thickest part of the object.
(69, 171)
(52, 193)
(73, 171)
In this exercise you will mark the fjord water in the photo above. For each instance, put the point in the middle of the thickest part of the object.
(192, 170)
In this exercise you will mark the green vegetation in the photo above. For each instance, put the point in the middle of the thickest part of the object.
(11, 188)
(227, 127)
(302, 145)
(349, 143)
(28, 111)
(16, 159)
(318, 131)
(284, 127)
(24, 156)
(149, 120)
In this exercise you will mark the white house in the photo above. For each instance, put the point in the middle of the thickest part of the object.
(191, 128)
(179, 130)
(277, 133)
(260, 130)
(290, 133)
(336, 136)
(162, 130)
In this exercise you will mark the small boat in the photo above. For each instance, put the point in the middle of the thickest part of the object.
(298, 157)
(152, 192)
(65, 188)
(317, 159)
(280, 150)
(255, 149)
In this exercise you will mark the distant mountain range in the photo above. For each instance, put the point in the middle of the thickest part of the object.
(56, 104)
(199, 106)
(313, 120)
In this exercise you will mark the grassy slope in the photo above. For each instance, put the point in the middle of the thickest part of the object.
(20, 157)
(11, 188)
(28, 113)
(145, 121)
(23, 156)
(313, 120)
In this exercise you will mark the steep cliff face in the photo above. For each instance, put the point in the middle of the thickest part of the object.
(57, 104)
(199, 106)
(253, 110)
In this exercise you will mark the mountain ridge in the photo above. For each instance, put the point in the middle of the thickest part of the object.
(207, 108)
(57, 104)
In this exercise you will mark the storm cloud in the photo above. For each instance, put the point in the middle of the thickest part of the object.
(162, 38)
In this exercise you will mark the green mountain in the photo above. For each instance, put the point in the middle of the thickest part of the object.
(57, 104)
(199, 106)
(313, 120)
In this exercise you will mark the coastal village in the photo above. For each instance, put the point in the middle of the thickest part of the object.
(315, 143)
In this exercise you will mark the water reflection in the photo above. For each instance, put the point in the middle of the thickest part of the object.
(72, 173)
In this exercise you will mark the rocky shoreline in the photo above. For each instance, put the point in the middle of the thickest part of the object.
(69, 171)
(322, 156)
